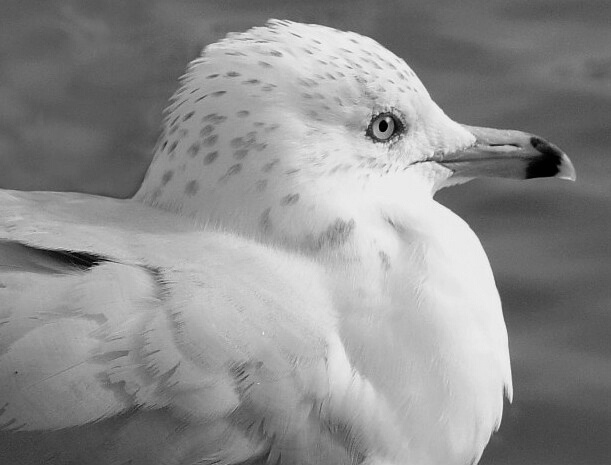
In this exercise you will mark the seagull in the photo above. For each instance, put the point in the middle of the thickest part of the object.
(282, 289)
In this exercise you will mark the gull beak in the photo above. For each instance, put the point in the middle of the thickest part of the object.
(507, 154)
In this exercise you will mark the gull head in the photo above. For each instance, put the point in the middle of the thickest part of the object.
(293, 131)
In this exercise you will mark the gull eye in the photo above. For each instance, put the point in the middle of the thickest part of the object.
(383, 127)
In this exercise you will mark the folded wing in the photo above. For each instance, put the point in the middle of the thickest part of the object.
(117, 319)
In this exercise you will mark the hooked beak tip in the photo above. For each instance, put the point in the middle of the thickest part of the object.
(552, 162)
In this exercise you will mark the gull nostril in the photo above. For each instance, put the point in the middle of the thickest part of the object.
(505, 145)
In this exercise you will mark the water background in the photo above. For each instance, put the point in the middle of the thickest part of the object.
(83, 84)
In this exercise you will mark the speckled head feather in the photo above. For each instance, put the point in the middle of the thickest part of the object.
(268, 134)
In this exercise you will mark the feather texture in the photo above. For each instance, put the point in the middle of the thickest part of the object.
(177, 326)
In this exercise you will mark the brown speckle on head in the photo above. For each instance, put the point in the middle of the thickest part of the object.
(192, 187)
(233, 170)
(242, 113)
(214, 118)
(210, 140)
(176, 105)
(237, 142)
(384, 260)
(341, 167)
(218, 93)
(264, 220)
(264, 64)
(188, 116)
(206, 130)
(307, 82)
(290, 199)
(397, 227)
(193, 150)
(336, 235)
(240, 154)
(232, 74)
(210, 157)
(270, 166)
(167, 176)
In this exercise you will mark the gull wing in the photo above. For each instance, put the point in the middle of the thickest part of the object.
(128, 332)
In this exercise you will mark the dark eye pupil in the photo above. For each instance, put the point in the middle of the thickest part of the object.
(383, 127)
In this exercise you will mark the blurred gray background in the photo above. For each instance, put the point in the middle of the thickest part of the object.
(83, 84)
